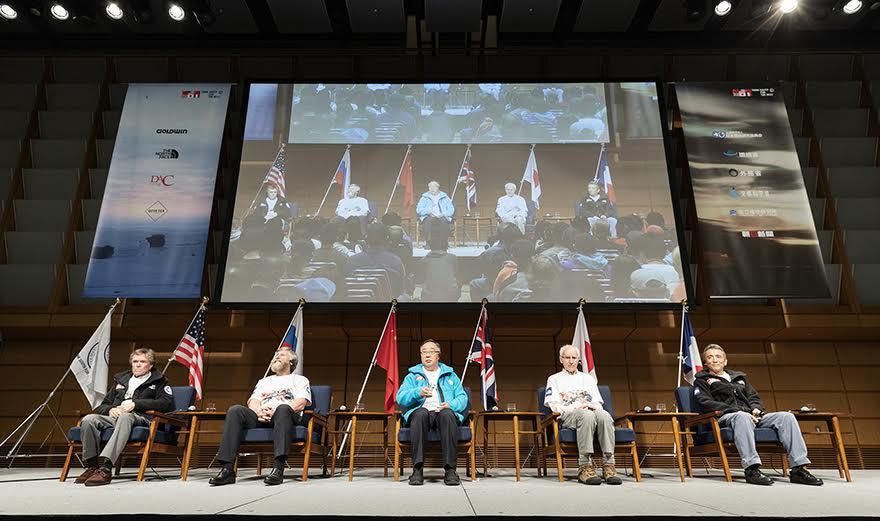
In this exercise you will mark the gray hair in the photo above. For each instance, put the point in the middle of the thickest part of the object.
(433, 183)
(431, 341)
(509, 185)
(145, 351)
(710, 347)
(355, 186)
(294, 360)
(566, 347)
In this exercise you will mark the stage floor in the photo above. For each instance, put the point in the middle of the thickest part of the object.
(37, 491)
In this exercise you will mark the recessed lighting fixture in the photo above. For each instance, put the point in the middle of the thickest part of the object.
(59, 12)
(787, 6)
(8, 12)
(723, 8)
(176, 12)
(852, 7)
(114, 11)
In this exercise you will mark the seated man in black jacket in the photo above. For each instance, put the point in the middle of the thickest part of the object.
(730, 393)
(597, 207)
(132, 394)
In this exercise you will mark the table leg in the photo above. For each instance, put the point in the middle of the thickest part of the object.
(677, 434)
(837, 439)
(187, 454)
(516, 442)
(537, 441)
(385, 457)
(335, 440)
(485, 447)
(351, 447)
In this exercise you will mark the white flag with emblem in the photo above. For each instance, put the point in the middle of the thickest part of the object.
(91, 365)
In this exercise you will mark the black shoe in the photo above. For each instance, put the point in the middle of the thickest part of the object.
(276, 477)
(451, 478)
(224, 477)
(804, 477)
(416, 478)
(756, 477)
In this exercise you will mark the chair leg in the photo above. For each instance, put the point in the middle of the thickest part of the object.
(397, 451)
(259, 464)
(66, 468)
(118, 467)
(148, 448)
(687, 459)
(784, 464)
(558, 451)
(637, 472)
(305, 476)
(473, 457)
(721, 451)
(235, 466)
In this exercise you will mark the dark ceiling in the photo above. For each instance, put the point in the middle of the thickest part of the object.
(443, 24)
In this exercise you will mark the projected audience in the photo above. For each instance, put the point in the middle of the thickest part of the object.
(435, 211)
(511, 208)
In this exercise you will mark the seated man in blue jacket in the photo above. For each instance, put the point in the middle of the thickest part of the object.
(431, 396)
(435, 212)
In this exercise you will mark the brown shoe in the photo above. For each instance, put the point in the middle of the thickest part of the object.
(610, 474)
(587, 475)
(85, 475)
(102, 476)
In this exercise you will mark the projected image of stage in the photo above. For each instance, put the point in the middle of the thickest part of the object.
(453, 193)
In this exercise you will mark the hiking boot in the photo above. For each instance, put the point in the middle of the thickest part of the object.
(756, 477)
(416, 478)
(804, 477)
(587, 475)
(610, 474)
(102, 476)
(82, 478)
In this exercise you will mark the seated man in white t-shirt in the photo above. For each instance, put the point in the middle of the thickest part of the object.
(575, 396)
(511, 208)
(277, 401)
(355, 211)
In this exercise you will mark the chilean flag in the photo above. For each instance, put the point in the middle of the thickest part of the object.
(293, 339)
(343, 173)
(530, 175)
(581, 341)
(603, 176)
(689, 354)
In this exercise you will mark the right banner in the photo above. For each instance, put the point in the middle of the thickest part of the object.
(754, 218)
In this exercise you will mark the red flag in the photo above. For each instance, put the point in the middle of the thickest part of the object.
(581, 341)
(406, 181)
(386, 358)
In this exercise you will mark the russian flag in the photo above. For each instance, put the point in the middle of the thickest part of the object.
(689, 354)
(293, 339)
(343, 173)
(603, 176)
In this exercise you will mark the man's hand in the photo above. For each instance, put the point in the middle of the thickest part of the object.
(442, 406)
(127, 406)
(265, 414)
(426, 391)
(115, 412)
(756, 415)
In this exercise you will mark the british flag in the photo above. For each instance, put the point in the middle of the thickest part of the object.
(481, 351)
(190, 351)
(469, 178)
(276, 173)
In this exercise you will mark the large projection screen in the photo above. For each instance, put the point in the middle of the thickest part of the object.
(453, 192)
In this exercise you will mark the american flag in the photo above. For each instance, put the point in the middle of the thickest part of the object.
(276, 173)
(481, 351)
(190, 351)
(469, 178)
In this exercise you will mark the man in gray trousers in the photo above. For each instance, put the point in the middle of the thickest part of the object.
(731, 393)
(132, 394)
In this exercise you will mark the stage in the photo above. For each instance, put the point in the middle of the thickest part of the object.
(660, 494)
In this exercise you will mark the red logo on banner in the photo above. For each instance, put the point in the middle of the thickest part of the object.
(191, 94)
(742, 93)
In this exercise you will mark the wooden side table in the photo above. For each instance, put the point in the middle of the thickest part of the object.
(514, 417)
(352, 417)
(195, 417)
(831, 419)
(674, 419)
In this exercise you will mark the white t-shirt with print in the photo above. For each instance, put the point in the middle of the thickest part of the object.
(432, 403)
(277, 390)
(567, 392)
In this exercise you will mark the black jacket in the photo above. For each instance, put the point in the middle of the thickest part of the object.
(590, 208)
(152, 395)
(714, 393)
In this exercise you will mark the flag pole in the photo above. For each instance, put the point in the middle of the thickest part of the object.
(523, 180)
(467, 361)
(397, 181)
(367, 377)
(302, 302)
(201, 307)
(260, 188)
(333, 182)
(681, 341)
(467, 154)
(598, 162)
(32, 417)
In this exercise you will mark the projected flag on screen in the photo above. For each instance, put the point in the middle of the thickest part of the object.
(276, 173)
(190, 351)
(406, 181)
(530, 175)
(603, 176)
(469, 178)
(343, 173)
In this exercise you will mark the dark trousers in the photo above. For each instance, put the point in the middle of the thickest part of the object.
(421, 421)
(239, 418)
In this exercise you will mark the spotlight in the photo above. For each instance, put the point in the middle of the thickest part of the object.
(852, 6)
(113, 11)
(723, 8)
(59, 12)
(787, 6)
(8, 12)
(176, 12)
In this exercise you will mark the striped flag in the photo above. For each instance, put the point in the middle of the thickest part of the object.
(603, 176)
(689, 353)
(275, 175)
(481, 351)
(581, 341)
(293, 339)
(469, 178)
(530, 175)
(342, 177)
(190, 351)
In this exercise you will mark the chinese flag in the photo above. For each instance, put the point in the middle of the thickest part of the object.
(406, 181)
(386, 358)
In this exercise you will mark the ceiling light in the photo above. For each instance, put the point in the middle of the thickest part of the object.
(114, 11)
(176, 12)
(8, 12)
(59, 12)
(723, 8)
(787, 6)
(852, 7)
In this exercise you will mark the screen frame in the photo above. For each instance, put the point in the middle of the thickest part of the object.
(505, 307)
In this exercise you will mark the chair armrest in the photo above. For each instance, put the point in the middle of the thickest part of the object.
(320, 419)
(702, 418)
(166, 418)
(548, 420)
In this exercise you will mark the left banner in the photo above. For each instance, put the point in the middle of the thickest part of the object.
(153, 228)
